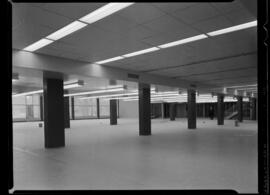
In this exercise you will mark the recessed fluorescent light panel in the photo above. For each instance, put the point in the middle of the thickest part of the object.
(109, 60)
(183, 41)
(141, 52)
(103, 12)
(28, 93)
(72, 27)
(94, 92)
(37, 45)
(233, 28)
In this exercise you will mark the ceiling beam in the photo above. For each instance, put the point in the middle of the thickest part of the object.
(46, 63)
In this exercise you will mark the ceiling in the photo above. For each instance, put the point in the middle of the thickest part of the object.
(224, 60)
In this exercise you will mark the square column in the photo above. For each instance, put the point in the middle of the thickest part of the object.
(191, 112)
(252, 108)
(98, 113)
(41, 107)
(172, 111)
(72, 108)
(113, 112)
(144, 109)
(66, 112)
(240, 108)
(220, 109)
(53, 113)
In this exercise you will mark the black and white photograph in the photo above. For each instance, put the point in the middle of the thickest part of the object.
(135, 96)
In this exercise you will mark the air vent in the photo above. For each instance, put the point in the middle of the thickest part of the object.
(133, 76)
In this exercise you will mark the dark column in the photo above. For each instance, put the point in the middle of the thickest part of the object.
(191, 109)
(66, 112)
(113, 112)
(172, 111)
(220, 109)
(240, 108)
(253, 108)
(98, 115)
(53, 113)
(41, 107)
(72, 109)
(144, 109)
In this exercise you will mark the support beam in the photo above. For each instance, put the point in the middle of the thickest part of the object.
(172, 111)
(240, 108)
(220, 109)
(253, 108)
(113, 112)
(26, 62)
(53, 113)
(191, 109)
(144, 109)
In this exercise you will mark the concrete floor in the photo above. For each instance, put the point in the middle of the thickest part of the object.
(100, 156)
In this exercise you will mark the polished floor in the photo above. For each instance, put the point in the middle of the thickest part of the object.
(100, 156)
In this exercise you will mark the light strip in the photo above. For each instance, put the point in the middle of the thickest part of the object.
(141, 52)
(93, 92)
(104, 11)
(242, 86)
(233, 28)
(183, 41)
(109, 60)
(28, 93)
(68, 86)
(108, 96)
(37, 45)
(72, 27)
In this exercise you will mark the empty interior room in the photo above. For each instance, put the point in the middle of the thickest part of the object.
(116, 96)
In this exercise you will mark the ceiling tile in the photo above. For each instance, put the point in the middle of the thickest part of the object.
(141, 12)
(116, 24)
(240, 16)
(27, 34)
(171, 7)
(213, 24)
(225, 7)
(167, 23)
(196, 13)
(72, 10)
(38, 16)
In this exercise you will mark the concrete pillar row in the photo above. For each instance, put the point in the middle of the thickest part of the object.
(191, 109)
(54, 127)
(220, 109)
(144, 109)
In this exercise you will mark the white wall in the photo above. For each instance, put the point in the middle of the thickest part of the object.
(128, 109)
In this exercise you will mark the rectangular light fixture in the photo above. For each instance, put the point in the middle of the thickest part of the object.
(94, 92)
(72, 27)
(141, 52)
(233, 28)
(37, 45)
(103, 12)
(66, 86)
(28, 93)
(109, 96)
(183, 41)
(109, 60)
